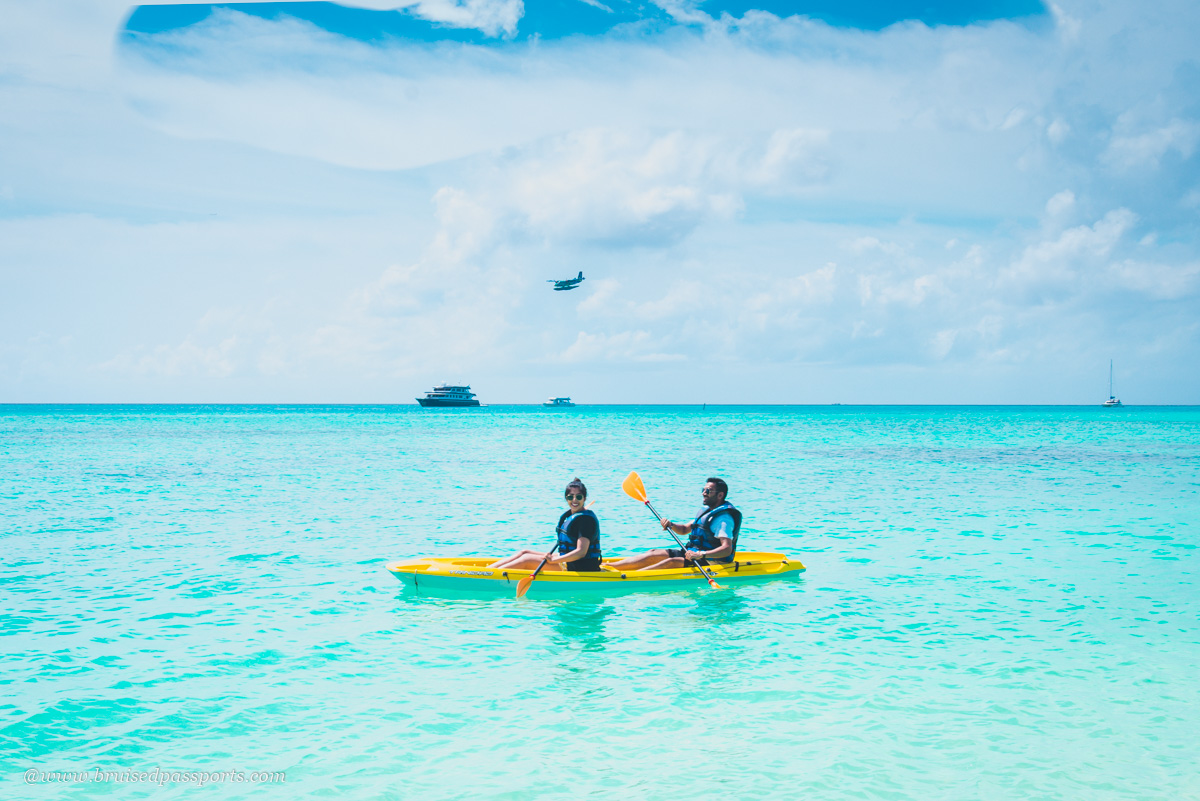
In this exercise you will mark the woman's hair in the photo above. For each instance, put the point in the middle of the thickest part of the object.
(578, 485)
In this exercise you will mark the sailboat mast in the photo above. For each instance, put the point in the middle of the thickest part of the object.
(1110, 378)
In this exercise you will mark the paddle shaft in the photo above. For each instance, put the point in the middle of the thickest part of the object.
(545, 559)
(670, 531)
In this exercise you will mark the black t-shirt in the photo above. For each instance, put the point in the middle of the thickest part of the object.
(582, 526)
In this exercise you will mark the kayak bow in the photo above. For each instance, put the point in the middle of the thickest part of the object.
(463, 574)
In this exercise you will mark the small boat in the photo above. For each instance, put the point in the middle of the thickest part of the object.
(559, 403)
(449, 395)
(454, 574)
(1113, 400)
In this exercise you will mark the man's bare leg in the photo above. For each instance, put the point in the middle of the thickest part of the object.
(640, 561)
(666, 564)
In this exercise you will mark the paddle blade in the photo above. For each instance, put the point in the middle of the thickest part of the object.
(523, 585)
(634, 487)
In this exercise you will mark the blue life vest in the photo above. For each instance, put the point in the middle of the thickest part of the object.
(702, 538)
(567, 541)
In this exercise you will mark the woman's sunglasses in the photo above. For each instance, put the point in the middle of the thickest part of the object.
(571, 497)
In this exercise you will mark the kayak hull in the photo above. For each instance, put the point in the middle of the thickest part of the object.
(472, 575)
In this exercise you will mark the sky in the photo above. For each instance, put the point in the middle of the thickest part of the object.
(772, 202)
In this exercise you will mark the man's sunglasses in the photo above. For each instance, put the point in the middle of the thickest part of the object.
(571, 497)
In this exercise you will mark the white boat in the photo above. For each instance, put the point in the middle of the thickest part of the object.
(449, 395)
(559, 403)
(1113, 400)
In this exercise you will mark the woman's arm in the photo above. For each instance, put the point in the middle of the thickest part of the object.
(581, 547)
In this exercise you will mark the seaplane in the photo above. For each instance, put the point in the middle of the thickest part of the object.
(567, 283)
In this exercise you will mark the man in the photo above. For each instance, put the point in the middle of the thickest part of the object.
(712, 536)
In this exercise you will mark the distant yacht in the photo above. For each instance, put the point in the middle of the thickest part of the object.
(449, 395)
(1113, 400)
(559, 403)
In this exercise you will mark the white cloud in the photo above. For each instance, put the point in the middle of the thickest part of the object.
(1061, 204)
(493, 17)
(1159, 281)
(684, 298)
(1055, 265)
(942, 342)
(1068, 27)
(874, 289)
(625, 188)
(1058, 131)
(187, 358)
(1130, 151)
(603, 294)
(490, 16)
(246, 79)
(1014, 118)
(626, 346)
(601, 186)
(815, 288)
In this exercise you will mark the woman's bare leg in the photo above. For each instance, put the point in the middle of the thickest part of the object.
(528, 562)
(508, 561)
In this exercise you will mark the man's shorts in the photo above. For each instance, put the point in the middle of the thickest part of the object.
(677, 553)
(584, 565)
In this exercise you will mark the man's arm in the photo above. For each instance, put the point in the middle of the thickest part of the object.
(722, 529)
(724, 549)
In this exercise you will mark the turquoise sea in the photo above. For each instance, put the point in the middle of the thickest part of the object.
(1000, 603)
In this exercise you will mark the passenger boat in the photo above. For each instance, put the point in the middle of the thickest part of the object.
(471, 575)
(449, 395)
(559, 403)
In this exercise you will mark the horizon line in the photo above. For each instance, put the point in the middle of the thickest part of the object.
(413, 405)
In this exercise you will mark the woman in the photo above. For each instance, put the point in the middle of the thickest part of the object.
(578, 539)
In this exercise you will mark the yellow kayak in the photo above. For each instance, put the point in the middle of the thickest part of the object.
(473, 575)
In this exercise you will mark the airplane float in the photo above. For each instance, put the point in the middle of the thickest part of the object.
(567, 283)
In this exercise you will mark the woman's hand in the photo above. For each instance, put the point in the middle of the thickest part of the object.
(666, 524)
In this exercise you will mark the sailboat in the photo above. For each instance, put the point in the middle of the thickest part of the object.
(1113, 400)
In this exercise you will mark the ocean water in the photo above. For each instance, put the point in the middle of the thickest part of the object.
(1000, 603)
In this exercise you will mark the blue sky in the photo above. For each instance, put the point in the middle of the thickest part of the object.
(778, 202)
